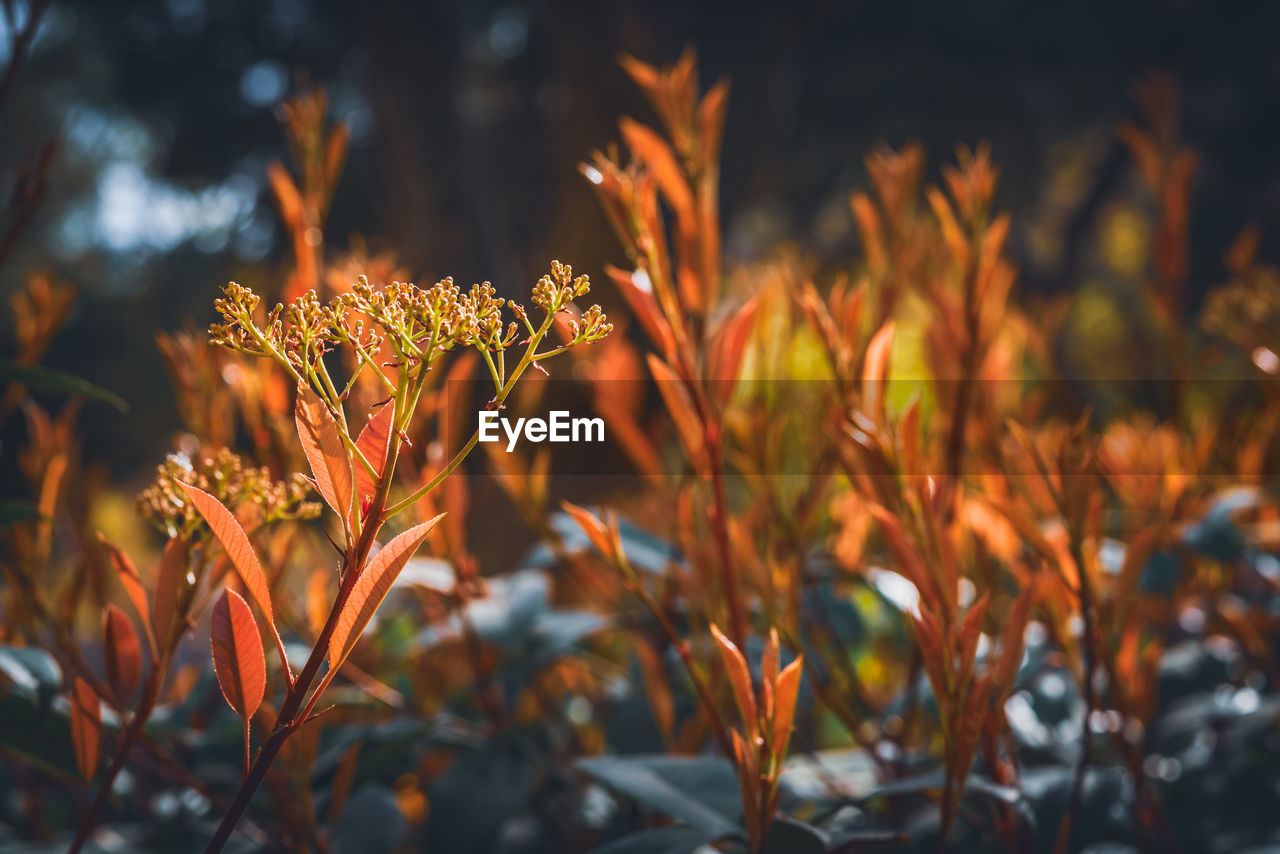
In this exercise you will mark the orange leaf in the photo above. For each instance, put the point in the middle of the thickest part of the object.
(238, 659)
(711, 114)
(637, 289)
(740, 677)
(122, 653)
(769, 663)
(597, 532)
(681, 408)
(86, 723)
(1011, 640)
(970, 631)
(372, 587)
(784, 706)
(235, 542)
(951, 232)
(875, 372)
(286, 193)
(322, 443)
(731, 345)
(335, 153)
(651, 150)
(373, 442)
(169, 578)
(131, 581)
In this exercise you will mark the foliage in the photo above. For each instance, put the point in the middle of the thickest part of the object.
(883, 578)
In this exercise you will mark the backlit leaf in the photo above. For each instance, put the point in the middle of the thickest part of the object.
(595, 529)
(739, 677)
(372, 442)
(680, 406)
(784, 705)
(131, 581)
(235, 542)
(372, 587)
(322, 443)
(875, 371)
(238, 659)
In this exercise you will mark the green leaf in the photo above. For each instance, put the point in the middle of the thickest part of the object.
(53, 381)
(698, 791)
(976, 784)
(13, 512)
(33, 735)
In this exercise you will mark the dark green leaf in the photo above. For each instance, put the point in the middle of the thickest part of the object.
(698, 791)
(57, 382)
(12, 512)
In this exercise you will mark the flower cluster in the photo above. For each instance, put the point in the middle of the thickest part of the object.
(224, 476)
(419, 324)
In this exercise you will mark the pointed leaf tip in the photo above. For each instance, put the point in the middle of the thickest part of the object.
(373, 585)
(235, 542)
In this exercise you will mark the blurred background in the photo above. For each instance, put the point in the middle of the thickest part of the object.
(468, 120)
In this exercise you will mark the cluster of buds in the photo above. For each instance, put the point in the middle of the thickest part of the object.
(251, 490)
(1246, 311)
(557, 289)
(419, 324)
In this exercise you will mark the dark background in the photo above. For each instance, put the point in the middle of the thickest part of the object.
(469, 118)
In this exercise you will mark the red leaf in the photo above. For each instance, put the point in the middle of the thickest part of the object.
(322, 443)
(372, 587)
(740, 678)
(235, 542)
(131, 581)
(122, 653)
(169, 577)
(238, 659)
(373, 442)
(86, 727)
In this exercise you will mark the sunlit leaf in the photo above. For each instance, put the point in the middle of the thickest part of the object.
(595, 530)
(238, 659)
(785, 705)
(372, 442)
(133, 588)
(372, 587)
(235, 542)
(739, 677)
(322, 443)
